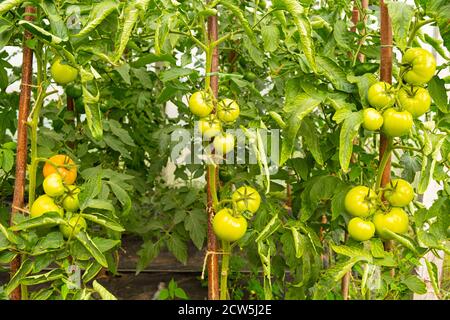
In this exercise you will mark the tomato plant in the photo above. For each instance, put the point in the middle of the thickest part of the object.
(137, 73)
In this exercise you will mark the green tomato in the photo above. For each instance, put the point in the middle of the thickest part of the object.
(399, 193)
(397, 123)
(250, 76)
(53, 185)
(415, 100)
(373, 120)
(201, 103)
(223, 143)
(70, 201)
(209, 126)
(63, 73)
(246, 199)
(380, 95)
(396, 220)
(74, 91)
(76, 224)
(45, 204)
(227, 227)
(360, 201)
(360, 229)
(227, 110)
(419, 66)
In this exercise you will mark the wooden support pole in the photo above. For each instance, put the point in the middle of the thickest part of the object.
(213, 261)
(21, 152)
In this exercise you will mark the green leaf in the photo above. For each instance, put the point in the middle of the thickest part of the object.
(52, 241)
(25, 268)
(91, 271)
(146, 254)
(340, 269)
(40, 33)
(363, 83)
(406, 241)
(298, 108)
(269, 229)
(116, 145)
(130, 16)
(312, 139)
(254, 53)
(102, 291)
(377, 248)
(437, 90)
(237, 13)
(47, 219)
(337, 204)
(180, 293)
(437, 45)
(195, 224)
(104, 221)
(150, 58)
(352, 252)
(8, 160)
(178, 248)
(124, 71)
(122, 196)
(271, 37)
(52, 275)
(415, 284)
(100, 204)
(349, 131)
(401, 15)
(98, 14)
(299, 245)
(90, 246)
(334, 74)
(93, 118)
(343, 35)
(433, 273)
(104, 244)
(89, 191)
(174, 73)
(121, 133)
(7, 5)
(57, 24)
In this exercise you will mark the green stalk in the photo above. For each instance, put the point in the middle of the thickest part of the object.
(224, 271)
(383, 162)
(213, 184)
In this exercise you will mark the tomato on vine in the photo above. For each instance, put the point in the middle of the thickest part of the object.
(372, 119)
(418, 66)
(227, 110)
(380, 95)
(53, 185)
(76, 224)
(228, 227)
(74, 91)
(223, 143)
(209, 126)
(45, 204)
(399, 193)
(63, 165)
(396, 220)
(246, 199)
(397, 123)
(415, 100)
(360, 201)
(62, 72)
(70, 200)
(361, 230)
(201, 103)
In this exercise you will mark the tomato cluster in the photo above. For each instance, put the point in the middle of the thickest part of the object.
(231, 224)
(395, 107)
(201, 104)
(60, 173)
(372, 215)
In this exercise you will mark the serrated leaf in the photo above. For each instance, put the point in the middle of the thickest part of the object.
(342, 35)
(195, 223)
(122, 196)
(25, 268)
(174, 73)
(47, 219)
(53, 240)
(269, 229)
(237, 13)
(40, 33)
(271, 37)
(377, 248)
(352, 252)
(437, 90)
(97, 15)
(90, 246)
(178, 248)
(312, 139)
(104, 221)
(363, 83)
(146, 254)
(102, 291)
(334, 74)
(57, 24)
(7, 5)
(349, 131)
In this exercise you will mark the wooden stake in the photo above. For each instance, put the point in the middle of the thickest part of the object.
(21, 152)
(213, 261)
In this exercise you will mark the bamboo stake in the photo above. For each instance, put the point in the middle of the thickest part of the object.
(21, 153)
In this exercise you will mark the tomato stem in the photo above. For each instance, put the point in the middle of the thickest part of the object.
(224, 271)
(384, 160)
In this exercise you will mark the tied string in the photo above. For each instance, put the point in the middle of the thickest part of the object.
(208, 253)
(20, 209)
